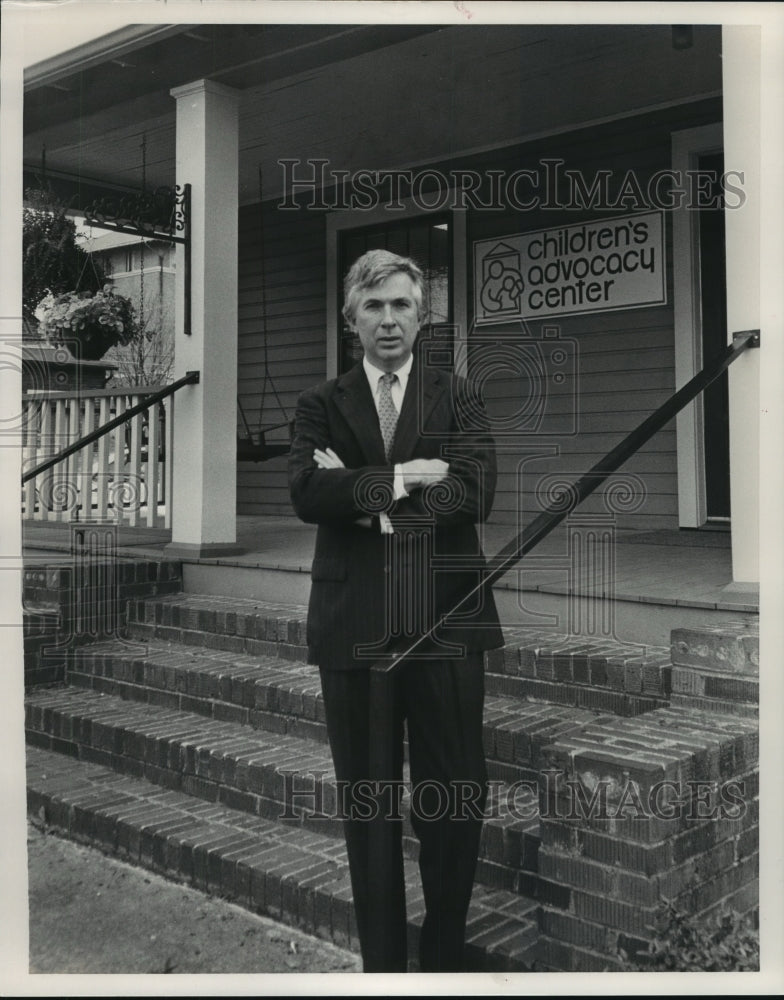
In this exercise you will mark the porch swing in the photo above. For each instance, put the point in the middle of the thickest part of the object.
(259, 448)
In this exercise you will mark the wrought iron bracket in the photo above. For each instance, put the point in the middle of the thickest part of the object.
(751, 336)
(162, 214)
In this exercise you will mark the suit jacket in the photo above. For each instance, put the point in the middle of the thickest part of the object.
(372, 592)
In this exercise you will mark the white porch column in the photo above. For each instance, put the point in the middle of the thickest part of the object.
(741, 83)
(205, 424)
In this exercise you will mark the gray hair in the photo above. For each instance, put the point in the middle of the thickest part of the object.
(374, 267)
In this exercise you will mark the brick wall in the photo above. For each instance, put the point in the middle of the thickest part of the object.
(716, 667)
(634, 811)
(74, 604)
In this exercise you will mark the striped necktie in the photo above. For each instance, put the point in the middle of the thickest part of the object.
(387, 414)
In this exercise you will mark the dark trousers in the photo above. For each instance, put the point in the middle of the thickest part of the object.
(442, 703)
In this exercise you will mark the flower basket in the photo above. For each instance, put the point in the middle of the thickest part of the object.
(88, 325)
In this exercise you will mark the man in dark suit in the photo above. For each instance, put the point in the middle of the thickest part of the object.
(395, 463)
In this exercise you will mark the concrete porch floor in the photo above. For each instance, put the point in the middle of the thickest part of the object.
(688, 569)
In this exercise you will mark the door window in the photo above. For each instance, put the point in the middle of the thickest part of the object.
(427, 240)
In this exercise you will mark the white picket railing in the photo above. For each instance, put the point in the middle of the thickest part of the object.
(123, 476)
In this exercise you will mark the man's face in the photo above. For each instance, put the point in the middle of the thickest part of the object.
(386, 319)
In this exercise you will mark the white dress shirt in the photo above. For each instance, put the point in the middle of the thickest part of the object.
(397, 391)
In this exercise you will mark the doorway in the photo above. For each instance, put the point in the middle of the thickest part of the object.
(713, 308)
(700, 315)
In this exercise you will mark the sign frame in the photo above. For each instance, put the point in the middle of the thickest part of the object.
(502, 282)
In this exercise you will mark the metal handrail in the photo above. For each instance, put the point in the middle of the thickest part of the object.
(552, 516)
(382, 672)
(189, 378)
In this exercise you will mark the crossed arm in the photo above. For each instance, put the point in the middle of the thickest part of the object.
(417, 473)
(324, 488)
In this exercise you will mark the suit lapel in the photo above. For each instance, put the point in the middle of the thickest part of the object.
(353, 399)
(425, 387)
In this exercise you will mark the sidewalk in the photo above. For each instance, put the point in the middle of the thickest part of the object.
(85, 918)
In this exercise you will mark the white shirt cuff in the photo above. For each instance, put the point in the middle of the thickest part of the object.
(399, 490)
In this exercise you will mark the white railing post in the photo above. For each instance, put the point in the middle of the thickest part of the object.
(45, 449)
(86, 488)
(152, 465)
(56, 474)
(118, 463)
(133, 489)
(102, 464)
(72, 475)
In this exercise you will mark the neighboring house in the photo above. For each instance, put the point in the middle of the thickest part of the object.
(143, 270)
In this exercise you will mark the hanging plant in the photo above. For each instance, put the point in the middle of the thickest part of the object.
(88, 325)
(52, 259)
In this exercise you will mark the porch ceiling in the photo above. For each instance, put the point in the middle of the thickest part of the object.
(367, 96)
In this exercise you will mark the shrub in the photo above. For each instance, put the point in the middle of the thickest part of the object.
(724, 942)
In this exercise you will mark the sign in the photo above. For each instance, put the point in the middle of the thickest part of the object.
(590, 267)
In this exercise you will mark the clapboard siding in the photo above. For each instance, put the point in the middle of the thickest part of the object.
(624, 360)
(291, 305)
(587, 420)
(282, 295)
(265, 488)
(281, 354)
(655, 461)
(249, 326)
(288, 379)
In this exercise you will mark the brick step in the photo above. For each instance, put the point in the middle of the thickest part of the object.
(131, 577)
(229, 624)
(40, 626)
(253, 771)
(40, 619)
(732, 647)
(591, 673)
(284, 697)
(44, 655)
(717, 668)
(264, 692)
(295, 876)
